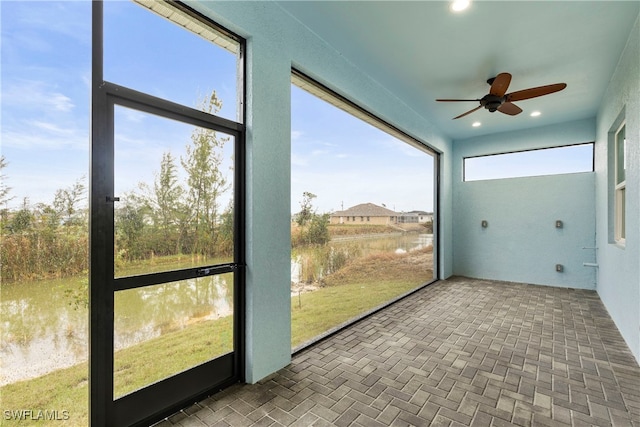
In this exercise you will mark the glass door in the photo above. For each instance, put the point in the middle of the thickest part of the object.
(166, 291)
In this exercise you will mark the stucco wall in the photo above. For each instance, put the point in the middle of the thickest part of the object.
(275, 43)
(521, 242)
(619, 273)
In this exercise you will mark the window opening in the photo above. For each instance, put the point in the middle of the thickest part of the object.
(620, 167)
(545, 161)
(154, 53)
(343, 269)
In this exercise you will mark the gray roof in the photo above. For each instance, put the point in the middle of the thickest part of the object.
(366, 209)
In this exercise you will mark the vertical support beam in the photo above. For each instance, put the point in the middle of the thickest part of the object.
(268, 312)
(100, 239)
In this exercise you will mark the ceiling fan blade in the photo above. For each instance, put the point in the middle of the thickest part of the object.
(500, 84)
(535, 92)
(510, 109)
(468, 112)
(457, 100)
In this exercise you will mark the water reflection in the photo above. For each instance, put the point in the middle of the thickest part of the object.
(146, 313)
(41, 332)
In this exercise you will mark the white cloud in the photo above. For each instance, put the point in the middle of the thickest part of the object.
(60, 102)
(39, 138)
(35, 95)
(51, 127)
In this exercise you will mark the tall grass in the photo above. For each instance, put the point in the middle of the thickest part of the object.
(35, 255)
(317, 262)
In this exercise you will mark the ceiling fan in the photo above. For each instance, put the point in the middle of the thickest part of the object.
(498, 99)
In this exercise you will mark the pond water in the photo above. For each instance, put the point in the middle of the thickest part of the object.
(41, 331)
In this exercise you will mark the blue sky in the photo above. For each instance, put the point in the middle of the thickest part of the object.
(45, 78)
(46, 72)
(345, 161)
(45, 87)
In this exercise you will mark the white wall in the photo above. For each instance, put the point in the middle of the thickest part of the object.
(275, 43)
(521, 242)
(619, 273)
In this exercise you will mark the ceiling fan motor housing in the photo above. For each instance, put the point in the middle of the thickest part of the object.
(492, 102)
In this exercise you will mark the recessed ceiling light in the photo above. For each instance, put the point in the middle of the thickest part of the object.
(476, 124)
(460, 5)
(535, 114)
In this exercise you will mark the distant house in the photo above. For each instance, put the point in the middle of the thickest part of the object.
(416, 217)
(365, 213)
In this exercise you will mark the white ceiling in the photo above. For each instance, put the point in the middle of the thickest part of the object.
(421, 51)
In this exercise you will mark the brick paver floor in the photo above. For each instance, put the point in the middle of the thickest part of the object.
(461, 352)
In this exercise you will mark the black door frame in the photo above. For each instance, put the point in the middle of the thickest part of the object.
(162, 398)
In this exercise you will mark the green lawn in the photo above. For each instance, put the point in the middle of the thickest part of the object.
(316, 312)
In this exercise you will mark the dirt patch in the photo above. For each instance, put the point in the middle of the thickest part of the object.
(415, 265)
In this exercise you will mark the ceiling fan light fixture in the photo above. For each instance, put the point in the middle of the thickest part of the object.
(535, 113)
(498, 100)
(459, 5)
(476, 124)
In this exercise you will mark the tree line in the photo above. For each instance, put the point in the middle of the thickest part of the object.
(167, 217)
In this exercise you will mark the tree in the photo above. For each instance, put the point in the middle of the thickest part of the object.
(226, 231)
(4, 193)
(129, 229)
(22, 220)
(67, 200)
(4, 189)
(205, 179)
(49, 217)
(164, 203)
(168, 193)
(318, 230)
(306, 209)
(314, 228)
